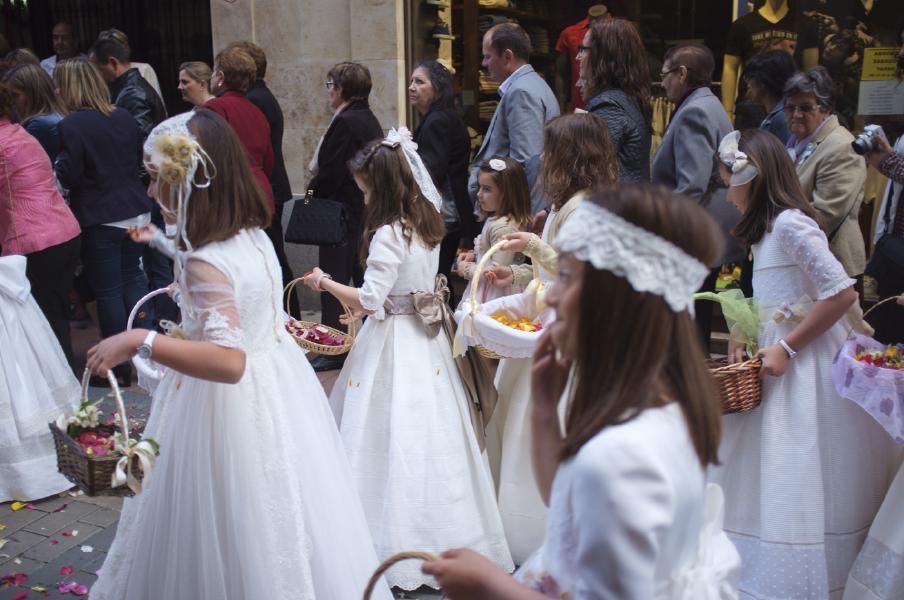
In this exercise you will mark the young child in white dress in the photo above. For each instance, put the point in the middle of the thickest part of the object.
(503, 196)
(36, 386)
(630, 514)
(405, 416)
(251, 495)
(804, 472)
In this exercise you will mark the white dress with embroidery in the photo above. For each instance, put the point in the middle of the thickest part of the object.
(36, 386)
(631, 518)
(803, 473)
(251, 495)
(406, 425)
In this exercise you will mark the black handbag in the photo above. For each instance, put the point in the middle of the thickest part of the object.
(317, 222)
(887, 262)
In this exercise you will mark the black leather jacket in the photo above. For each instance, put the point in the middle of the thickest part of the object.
(629, 133)
(132, 93)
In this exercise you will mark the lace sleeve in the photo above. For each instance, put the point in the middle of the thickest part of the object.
(499, 229)
(543, 254)
(211, 302)
(802, 239)
(385, 254)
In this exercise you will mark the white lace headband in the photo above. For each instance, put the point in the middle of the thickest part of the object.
(176, 156)
(648, 262)
(402, 137)
(742, 170)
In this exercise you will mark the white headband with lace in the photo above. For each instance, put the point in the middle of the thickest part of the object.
(742, 170)
(402, 137)
(176, 157)
(648, 262)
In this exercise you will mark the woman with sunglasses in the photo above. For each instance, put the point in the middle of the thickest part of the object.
(831, 173)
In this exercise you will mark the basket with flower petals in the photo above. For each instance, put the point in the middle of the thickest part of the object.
(317, 337)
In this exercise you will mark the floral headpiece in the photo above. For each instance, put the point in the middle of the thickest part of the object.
(497, 164)
(402, 137)
(648, 262)
(742, 170)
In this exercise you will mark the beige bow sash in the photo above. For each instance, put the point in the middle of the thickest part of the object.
(144, 453)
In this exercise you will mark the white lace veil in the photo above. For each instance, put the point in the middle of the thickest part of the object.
(402, 137)
(648, 262)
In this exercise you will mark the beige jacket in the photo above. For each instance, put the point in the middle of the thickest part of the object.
(832, 177)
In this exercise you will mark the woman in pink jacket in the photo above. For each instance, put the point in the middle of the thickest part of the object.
(36, 222)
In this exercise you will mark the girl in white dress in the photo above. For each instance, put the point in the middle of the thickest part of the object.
(405, 416)
(36, 386)
(630, 515)
(804, 472)
(503, 196)
(577, 156)
(251, 495)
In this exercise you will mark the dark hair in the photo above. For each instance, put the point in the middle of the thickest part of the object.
(651, 354)
(105, 48)
(238, 68)
(394, 196)
(577, 157)
(515, 195)
(256, 53)
(116, 35)
(510, 36)
(21, 56)
(697, 59)
(771, 69)
(816, 81)
(441, 80)
(37, 87)
(234, 200)
(353, 80)
(7, 105)
(776, 188)
(618, 61)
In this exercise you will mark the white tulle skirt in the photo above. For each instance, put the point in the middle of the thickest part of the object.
(250, 498)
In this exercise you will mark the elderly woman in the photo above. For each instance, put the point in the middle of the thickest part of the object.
(348, 86)
(830, 172)
(443, 143)
(616, 88)
(37, 105)
(35, 221)
(766, 74)
(194, 82)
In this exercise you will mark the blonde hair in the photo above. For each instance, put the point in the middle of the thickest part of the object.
(197, 70)
(81, 86)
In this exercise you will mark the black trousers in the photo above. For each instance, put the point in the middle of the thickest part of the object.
(277, 236)
(159, 270)
(343, 264)
(447, 250)
(50, 273)
(703, 310)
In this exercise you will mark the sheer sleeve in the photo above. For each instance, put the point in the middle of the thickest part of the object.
(386, 252)
(211, 301)
(802, 239)
(623, 506)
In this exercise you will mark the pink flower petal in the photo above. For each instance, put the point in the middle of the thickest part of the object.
(13, 579)
(66, 571)
(59, 508)
(67, 534)
(64, 587)
(53, 542)
(21, 596)
(80, 590)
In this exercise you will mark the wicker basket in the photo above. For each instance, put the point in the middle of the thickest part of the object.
(92, 474)
(740, 387)
(386, 564)
(297, 327)
(474, 305)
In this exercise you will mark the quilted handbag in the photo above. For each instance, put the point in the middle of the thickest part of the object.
(317, 222)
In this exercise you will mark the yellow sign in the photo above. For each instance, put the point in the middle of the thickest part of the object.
(879, 64)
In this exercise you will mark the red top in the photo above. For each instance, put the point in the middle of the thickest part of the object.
(250, 124)
(569, 40)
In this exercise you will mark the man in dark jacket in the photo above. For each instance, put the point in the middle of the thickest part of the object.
(261, 96)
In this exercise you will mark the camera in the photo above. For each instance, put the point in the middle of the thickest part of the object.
(868, 141)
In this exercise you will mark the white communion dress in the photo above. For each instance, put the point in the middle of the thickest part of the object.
(631, 517)
(804, 473)
(36, 386)
(405, 422)
(251, 495)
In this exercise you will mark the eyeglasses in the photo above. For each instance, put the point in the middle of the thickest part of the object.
(330, 84)
(664, 74)
(583, 49)
(801, 108)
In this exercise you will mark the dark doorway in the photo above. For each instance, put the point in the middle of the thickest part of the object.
(164, 33)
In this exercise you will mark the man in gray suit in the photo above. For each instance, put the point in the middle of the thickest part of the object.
(527, 102)
(685, 162)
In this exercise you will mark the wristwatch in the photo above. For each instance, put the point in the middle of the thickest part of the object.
(791, 352)
(145, 350)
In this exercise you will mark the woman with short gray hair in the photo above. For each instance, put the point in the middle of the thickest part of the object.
(830, 172)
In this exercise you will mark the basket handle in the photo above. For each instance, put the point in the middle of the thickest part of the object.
(290, 287)
(475, 279)
(395, 558)
(145, 298)
(874, 307)
(120, 406)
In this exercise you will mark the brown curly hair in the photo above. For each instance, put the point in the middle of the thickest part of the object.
(238, 68)
(577, 156)
(618, 61)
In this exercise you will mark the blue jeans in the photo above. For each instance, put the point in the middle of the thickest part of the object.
(113, 268)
